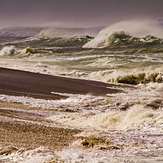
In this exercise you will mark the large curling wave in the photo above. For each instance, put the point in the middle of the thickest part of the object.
(132, 28)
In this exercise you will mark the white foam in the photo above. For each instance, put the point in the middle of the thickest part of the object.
(74, 155)
(38, 155)
(8, 50)
(73, 101)
(154, 87)
(112, 119)
(133, 117)
(137, 146)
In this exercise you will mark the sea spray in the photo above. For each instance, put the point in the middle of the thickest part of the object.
(68, 32)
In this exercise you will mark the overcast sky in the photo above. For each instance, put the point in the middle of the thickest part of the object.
(77, 12)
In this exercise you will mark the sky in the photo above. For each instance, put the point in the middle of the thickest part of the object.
(77, 13)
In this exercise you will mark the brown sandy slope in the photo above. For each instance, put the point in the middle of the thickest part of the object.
(21, 134)
(21, 129)
(15, 82)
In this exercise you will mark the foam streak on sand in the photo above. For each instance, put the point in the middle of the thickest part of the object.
(72, 101)
(36, 155)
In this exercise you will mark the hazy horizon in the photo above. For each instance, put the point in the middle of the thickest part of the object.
(71, 13)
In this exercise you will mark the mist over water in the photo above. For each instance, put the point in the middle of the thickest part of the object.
(68, 32)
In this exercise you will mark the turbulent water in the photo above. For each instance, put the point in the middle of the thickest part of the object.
(134, 63)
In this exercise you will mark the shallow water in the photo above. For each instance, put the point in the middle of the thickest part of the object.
(93, 65)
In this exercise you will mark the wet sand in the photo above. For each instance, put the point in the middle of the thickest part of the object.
(26, 127)
(22, 83)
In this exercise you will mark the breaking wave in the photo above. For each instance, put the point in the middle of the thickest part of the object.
(134, 117)
(8, 50)
(134, 77)
(133, 28)
(123, 120)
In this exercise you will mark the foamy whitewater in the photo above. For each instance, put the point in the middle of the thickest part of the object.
(131, 121)
(8, 50)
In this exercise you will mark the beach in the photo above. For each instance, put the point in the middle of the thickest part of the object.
(81, 98)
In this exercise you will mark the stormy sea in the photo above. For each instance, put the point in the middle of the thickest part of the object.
(109, 94)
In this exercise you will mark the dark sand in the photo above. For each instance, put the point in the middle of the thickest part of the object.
(15, 82)
(21, 134)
